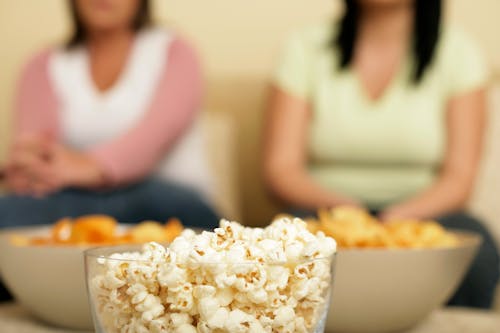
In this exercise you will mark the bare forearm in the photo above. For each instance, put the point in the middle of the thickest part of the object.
(285, 154)
(88, 173)
(446, 195)
(300, 190)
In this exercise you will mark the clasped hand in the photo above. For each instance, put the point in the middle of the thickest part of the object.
(38, 165)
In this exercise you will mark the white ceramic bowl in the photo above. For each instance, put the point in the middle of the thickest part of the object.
(380, 290)
(47, 280)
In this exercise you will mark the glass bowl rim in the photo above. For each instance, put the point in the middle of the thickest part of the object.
(93, 253)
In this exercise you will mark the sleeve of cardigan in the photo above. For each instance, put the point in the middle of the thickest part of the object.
(36, 104)
(173, 108)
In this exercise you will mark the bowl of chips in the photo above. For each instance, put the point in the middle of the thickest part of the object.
(390, 276)
(42, 266)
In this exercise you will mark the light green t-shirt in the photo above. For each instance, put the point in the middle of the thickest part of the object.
(386, 150)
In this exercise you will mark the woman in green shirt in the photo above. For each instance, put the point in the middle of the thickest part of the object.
(383, 110)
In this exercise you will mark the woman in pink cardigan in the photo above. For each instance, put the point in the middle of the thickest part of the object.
(98, 119)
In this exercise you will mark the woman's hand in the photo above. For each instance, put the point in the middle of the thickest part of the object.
(38, 166)
(70, 168)
(27, 155)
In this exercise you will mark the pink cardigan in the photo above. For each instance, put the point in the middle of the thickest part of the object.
(135, 154)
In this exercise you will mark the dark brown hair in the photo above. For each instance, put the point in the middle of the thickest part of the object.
(426, 30)
(142, 19)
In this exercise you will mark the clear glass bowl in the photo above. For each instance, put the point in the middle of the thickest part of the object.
(286, 293)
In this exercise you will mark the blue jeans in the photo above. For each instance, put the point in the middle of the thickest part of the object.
(148, 200)
(478, 287)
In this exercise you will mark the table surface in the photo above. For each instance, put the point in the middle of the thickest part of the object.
(15, 319)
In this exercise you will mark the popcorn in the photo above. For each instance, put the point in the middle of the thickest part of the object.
(219, 318)
(225, 296)
(204, 291)
(186, 328)
(258, 296)
(238, 321)
(207, 307)
(179, 319)
(235, 279)
(283, 316)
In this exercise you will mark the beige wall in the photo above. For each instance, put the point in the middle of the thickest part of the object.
(238, 41)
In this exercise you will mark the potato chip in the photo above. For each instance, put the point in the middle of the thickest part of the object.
(93, 229)
(172, 229)
(313, 226)
(148, 231)
(61, 231)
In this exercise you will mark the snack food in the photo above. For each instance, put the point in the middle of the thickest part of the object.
(102, 229)
(234, 279)
(355, 228)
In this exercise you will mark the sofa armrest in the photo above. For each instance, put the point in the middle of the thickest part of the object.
(220, 139)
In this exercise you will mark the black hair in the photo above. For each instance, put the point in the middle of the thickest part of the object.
(142, 19)
(426, 30)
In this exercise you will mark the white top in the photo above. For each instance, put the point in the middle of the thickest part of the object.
(89, 117)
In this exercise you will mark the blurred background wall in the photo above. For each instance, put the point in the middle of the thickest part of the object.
(238, 41)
